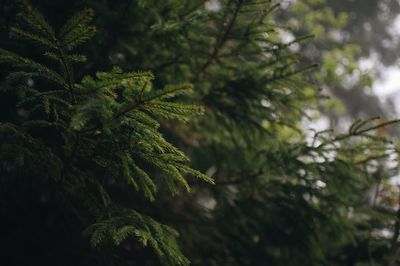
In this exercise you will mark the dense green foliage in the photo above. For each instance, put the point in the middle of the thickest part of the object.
(94, 150)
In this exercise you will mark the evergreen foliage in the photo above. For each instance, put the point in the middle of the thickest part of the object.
(93, 164)
(115, 111)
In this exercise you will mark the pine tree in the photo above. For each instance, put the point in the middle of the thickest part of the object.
(88, 178)
(86, 137)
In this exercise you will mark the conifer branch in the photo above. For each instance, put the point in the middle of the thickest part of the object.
(221, 41)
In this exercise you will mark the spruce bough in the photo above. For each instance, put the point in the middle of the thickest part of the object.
(87, 178)
(104, 133)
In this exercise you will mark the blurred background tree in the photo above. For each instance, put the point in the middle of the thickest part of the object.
(355, 42)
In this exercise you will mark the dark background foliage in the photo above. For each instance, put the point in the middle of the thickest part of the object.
(283, 195)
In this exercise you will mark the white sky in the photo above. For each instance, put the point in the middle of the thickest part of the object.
(389, 84)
